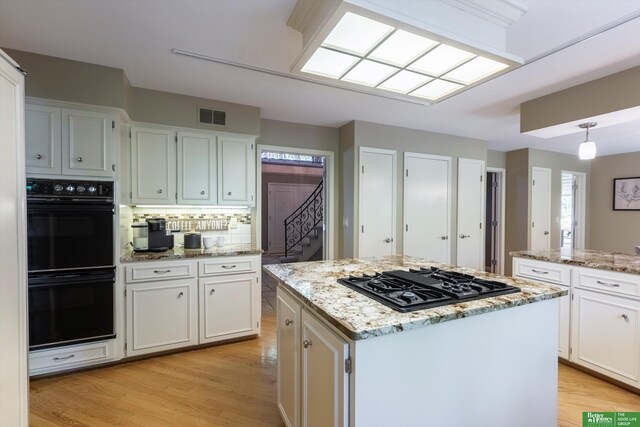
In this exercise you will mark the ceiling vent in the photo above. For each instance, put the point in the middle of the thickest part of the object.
(208, 116)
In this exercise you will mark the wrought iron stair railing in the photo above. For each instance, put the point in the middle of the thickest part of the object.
(303, 220)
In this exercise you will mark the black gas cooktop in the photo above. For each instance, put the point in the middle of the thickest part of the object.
(425, 288)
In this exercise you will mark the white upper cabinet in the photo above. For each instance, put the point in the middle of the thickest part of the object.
(427, 206)
(197, 169)
(471, 192)
(69, 141)
(88, 143)
(42, 139)
(153, 166)
(236, 171)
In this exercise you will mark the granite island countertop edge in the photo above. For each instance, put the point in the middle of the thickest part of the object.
(600, 260)
(184, 254)
(359, 317)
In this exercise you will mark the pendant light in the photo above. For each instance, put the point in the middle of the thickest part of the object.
(587, 149)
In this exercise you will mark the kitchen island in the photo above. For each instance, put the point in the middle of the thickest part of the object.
(345, 359)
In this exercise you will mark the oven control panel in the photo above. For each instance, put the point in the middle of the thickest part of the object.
(69, 188)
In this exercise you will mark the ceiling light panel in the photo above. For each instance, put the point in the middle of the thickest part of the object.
(404, 81)
(329, 63)
(436, 89)
(401, 48)
(474, 70)
(369, 73)
(441, 59)
(357, 34)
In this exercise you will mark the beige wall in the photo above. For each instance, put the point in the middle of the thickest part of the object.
(286, 134)
(346, 182)
(609, 230)
(152, 106)
(496, 159)
(73, 81)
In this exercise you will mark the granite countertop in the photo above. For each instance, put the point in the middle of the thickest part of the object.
(360, 317)
(586, 258)
(181, 253)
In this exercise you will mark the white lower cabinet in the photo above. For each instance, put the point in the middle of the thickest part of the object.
(161, 316)
(606, 335)
(313, 385)
(71, 357)
(228, 307)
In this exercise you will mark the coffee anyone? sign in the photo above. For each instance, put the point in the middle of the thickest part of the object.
(198, 224)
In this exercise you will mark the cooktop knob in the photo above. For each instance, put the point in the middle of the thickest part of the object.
(80, 189)
(70, 188)
(91, 189)
(58, 188)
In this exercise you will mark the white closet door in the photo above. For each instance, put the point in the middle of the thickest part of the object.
(427, 206)
(377, 202)
(470, 213)
(540, 209)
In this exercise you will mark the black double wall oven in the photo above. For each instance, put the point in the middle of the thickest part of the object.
(71, 281)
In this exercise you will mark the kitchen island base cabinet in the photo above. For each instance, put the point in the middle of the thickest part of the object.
(497, 369)
(161, 316)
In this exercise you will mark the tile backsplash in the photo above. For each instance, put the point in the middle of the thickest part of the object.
(232, 223)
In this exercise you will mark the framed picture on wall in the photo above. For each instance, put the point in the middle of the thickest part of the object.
(626, 194)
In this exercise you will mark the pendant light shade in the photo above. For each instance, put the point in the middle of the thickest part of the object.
(587, 149)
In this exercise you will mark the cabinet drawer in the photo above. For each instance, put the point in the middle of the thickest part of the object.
(228, 265)
(543, 271)
(160, 271)
(618, 283)
(68, 357)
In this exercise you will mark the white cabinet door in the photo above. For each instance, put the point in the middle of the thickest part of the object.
(564, 318)
(540, 209)
(153, 166)
(229, 307)
(377, 202)
(288, 383)
(197, 169)
(606, 335)
(43, 143)
(471, 209)
(325, 385)
(427, 206)
(236, 171)
(87, 147)
(161, 316)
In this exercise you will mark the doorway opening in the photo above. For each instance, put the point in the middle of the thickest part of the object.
(494, 220)
(572, 212)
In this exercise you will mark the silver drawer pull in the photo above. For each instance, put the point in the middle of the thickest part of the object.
(613, 285)
(162, 271)
(307, 343)
(58, 359)
(229, 266)
(288, 322)
(625, 317)
(539, 271)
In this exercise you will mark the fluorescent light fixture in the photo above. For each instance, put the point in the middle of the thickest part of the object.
(356, 34)
(474, 70)
(369, 73)
(436, 89)
(404, 81)
(329, 63)
(441, 59)
(401, 48)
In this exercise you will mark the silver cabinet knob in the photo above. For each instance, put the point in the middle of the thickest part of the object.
(388, 240)
(160, 191)
(464, 236)
(212, 291)
(229, 193)
(202, 192)
(288, 322)
(181, 294)
(625, 317)
(79, 159)
(306, 343)
(546, 233)
(444, 237)
(38, 156)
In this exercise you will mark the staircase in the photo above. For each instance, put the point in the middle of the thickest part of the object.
(303, 230)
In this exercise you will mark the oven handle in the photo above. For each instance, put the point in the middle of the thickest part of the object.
(74, 208)
(70, 279)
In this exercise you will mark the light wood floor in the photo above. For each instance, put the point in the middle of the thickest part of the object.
(231, 385)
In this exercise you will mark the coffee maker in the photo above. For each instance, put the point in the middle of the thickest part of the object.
(152, 236)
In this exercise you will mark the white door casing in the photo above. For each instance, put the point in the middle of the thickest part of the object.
(540, 209)
(471, 213)
(377, 202)
(14, 385)
(427, 207)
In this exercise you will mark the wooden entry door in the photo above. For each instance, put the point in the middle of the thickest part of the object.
(283, 200)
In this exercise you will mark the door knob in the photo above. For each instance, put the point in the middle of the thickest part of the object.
(546, 233)
(388, 240)
(306, 343)
(38, 156)
(288, 322)
(444, 237)
(79, 159)
(464, 236)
